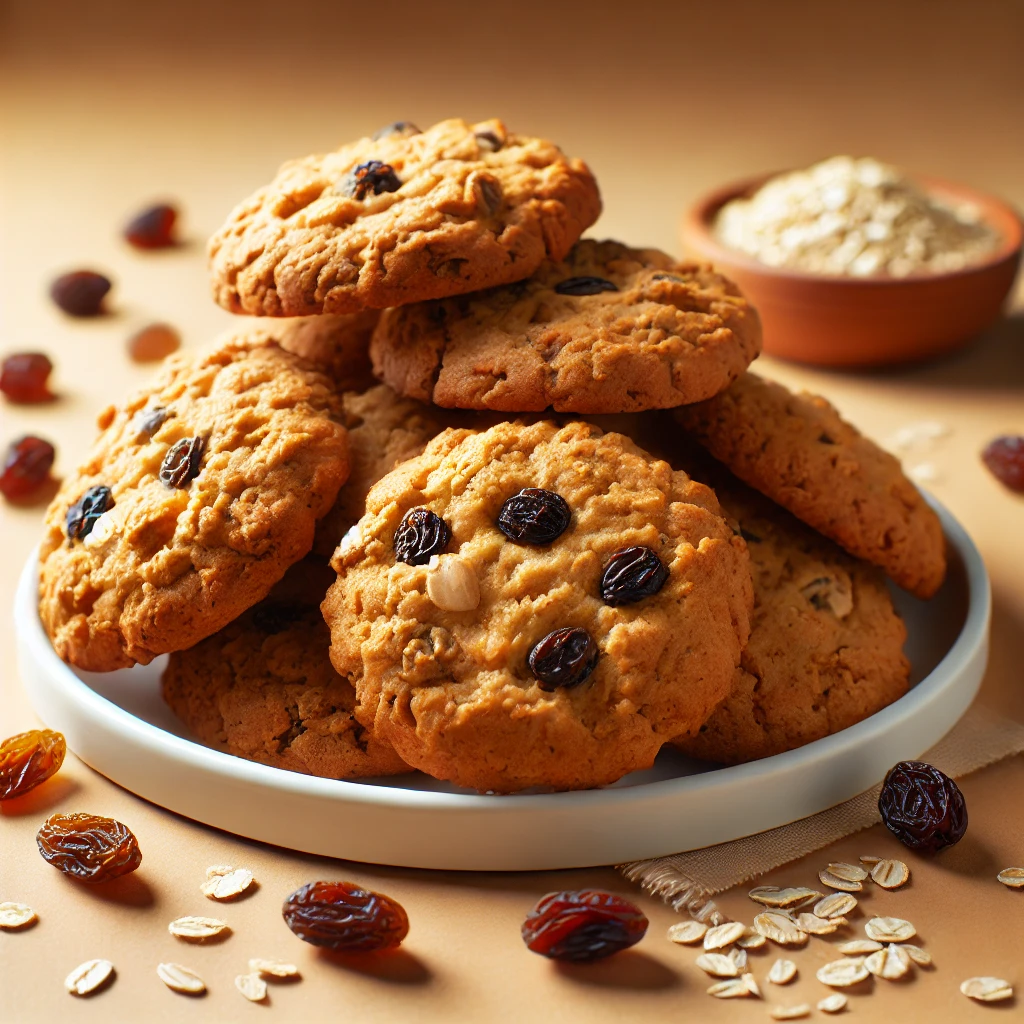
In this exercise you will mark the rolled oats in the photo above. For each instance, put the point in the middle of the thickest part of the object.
(739, 958)
(889, 929)
(751, 939)
(196, 929)
(843, 973)
(920, 956)
(782, 972)
(733, 988)
(252, 986)
(89, 977)
(987, 990)
(772, 896)
(180, 979)
(1013, 878)
(838, 904)
(780, 928)
(273, 968)
(859, 947)
(723, 935)
(890, 874)
(226, 885)
(889, 963)
(789, 1012)
(718, 964)
(17, 915)
(843, 884)
(687, 933)
(834, 1003)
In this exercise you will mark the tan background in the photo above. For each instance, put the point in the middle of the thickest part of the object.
(107, 106)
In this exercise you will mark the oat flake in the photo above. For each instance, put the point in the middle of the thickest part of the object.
(89, 977)
(751, 940)
(772, 896)
(859, 947)
(252, 986)
(890, 874)
(843, 884)
(717, 964)
(837, 904)
(227, 886)
(782, 972)
(16, 915)
(789, 1012)
(889, 963)
(987, 990)
(275, 968)
(196, 929)
(780, 928)
(723, 935)
(687, 933)
(889, 929)
(1013, 878)
(843, 973)
(834, 1003)
(814, 925)
(920, 956)
(180, 979)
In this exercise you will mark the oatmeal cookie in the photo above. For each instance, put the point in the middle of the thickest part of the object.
(195, 499)
(608, 329)
(402, 217)
(797, 450)
(534, 605)
(263, 688)
(338, 345)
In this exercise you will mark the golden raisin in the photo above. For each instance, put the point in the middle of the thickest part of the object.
(88, 847)
(28, 759)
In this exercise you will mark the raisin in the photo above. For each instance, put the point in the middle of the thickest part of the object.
(28, 759)
(583, 925)
(489, 141)
(26, 467)
(405, 129)
(80, 293)
(181, 463)
(631, 575)
(584, 286)
(82, 516)
(420, 535)
(23, 377)
(275, 617)
(153, 228)
(148, 421)
(922, 807)
(340, 915)
(372, 177)
(1005, 460)
(534, 516)
(153, 342)
(563, 658)
(674, 278)
(88, 847)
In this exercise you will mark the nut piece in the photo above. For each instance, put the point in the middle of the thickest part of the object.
(889, 963)
(197, 929)
(837, 904)
(252, 986)
(89, 977)
(834, 1003)
(987, 990)
(687, 933)
(843, 973)
(920, 956)
(452, 584)
(1013, 878)
(751, 940)
(836, 882)
(772, 896)
(717, 964)
(274, 968)
(226, 886)
(17, 915)
(180, 979)
(782, 972)
(814, 925)
(789, 1012)
(889, 929)
(724, 935)
(891, 874)
(780, 928)
(859, 947)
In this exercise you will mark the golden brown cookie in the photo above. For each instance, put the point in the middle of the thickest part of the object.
(609, 329)
(196, 497)
(263, 688)
(338, 345)
(402, 217)
(797, 450)
(534, 605)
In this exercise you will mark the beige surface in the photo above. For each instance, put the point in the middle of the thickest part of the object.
(103, 112)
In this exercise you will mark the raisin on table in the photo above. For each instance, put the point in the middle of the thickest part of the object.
(1004, 458)
(922, 807)
(88, 847)
(80, 293)
(26, 467)
(23, 377)
(153, 228)
(583, 925)
(341, 916)
(28, 759)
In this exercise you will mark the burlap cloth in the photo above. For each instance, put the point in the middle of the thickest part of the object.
(687, 881)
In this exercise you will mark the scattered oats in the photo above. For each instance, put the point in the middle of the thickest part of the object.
(751, 940)
(859, 947)
(180, 979)
(275, 968)
(739, 958)
(834, 1003)
(17, 915)
(773, 896)
(889, 963)
(723, 935)
(687, 933)
(814, 925)
(780, 928)
(1011, 877)
(889, 929)
(870, 862)
(751, 985)
(844, 884)
(717, 964)
(219, 869)
(920, 435)
(734, 988)
(789, 1012)
(196, 929)
(252, 986)
(924, 473)
(843, 973)
(847, 872)
(782, 972)
(987, 990)
(88, 977)
(227, 886)
(920, 956)
(890, 874)
(835, 905)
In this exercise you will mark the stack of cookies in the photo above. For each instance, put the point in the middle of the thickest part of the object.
(377, 535)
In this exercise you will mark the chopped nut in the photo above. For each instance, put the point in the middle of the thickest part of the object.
(772, 896)
(227, 885)
(837, 904)
(834, 1003)
(780, 928)
(687, 933)
(89, 977)
(782, 972)
(889, 963)
(920, 956)
(723, 935)
(1013, 878)
(889, 929)
(452, 584)
(717, 964)
(790, 1012)
(859, 947)
(844, 884)
(16, 915)
(252, 986)
(843, 973)
(274, 968)
(180, 979)
(196, 929)
(987, 990)
(890, 874)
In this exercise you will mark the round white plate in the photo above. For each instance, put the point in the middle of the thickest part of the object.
(118, 724)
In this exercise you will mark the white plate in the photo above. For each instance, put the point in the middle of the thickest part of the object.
(118, 724)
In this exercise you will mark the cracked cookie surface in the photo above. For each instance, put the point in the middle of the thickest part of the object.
(338, 345)
(401, 217)
(609, 329)
(439, 651)
(169, 563)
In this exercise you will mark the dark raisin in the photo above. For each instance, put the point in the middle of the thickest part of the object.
(583, 925)
(82, 516)
(1005, 460)
(667, 277)
(181, 463)
(372, 177)
(534, 516)
(824, 438)
(153, 228)
(489, 141)
(29, 759)
(148, 421)
(23, 377)
(563, 658)
(340, 915)
(420, 535)
(275, 616)
(26, 467)
(403, 128)
(922, 807)
(88, 847)
(749, 536)
(584, 286)
(631, 575)
(80, 293)
(489, 195)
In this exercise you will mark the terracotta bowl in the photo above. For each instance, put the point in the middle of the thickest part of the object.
(865, 321)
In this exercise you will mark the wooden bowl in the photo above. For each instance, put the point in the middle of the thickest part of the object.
(865, 321)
